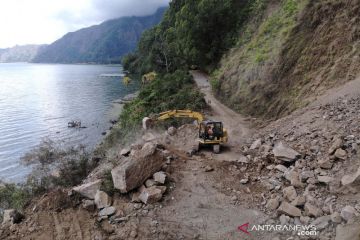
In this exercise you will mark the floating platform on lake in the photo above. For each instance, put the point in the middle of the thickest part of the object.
(112, 75)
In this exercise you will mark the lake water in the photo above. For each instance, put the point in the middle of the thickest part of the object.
(38, 100)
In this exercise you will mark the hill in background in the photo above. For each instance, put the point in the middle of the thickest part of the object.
(104, 43)
(23, 53)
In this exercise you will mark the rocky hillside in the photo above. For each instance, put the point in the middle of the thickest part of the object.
(104, 43)
(288, 52)
(25, 53)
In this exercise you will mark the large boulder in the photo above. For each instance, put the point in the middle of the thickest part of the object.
(88, 190)
(285, 153)
(141, 165)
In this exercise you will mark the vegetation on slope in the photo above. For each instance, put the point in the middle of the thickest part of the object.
(192, 33)
(168, 91)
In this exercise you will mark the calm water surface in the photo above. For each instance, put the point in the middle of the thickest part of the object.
(38, 100)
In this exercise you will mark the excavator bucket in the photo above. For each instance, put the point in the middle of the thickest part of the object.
(146, 123)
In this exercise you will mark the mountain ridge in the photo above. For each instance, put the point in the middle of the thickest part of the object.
(20, 53)
(103, 43)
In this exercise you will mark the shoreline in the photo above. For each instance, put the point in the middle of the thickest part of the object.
(111, 117)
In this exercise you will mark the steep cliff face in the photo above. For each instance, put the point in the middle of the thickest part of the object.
(289, 53)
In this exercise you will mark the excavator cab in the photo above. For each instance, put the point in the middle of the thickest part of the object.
(212, 133)
(210, 130)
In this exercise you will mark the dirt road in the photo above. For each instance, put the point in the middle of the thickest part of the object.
(203, 205)
(234, 122)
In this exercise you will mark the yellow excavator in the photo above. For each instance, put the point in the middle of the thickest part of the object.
(211, 133)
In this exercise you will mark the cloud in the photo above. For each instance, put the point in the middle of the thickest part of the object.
(112, 9)
(44, 21)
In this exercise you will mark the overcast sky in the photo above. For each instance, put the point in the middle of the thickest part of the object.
(44, 21)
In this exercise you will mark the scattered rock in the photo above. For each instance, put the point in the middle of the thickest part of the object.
(88, 190)
(284, 220)
(135, 195)
(305, 220)
(299, 201)
(325, 163)
(12, 216)
(340, 154)
(305, 175)
(148, 137)
(312, 211)
(125, 151)
(159, 177)
(281, 168)
(152, 194)
(243, 159)
(256, 144)
(336, 217)
(348, 212)
(272, 204)
(290, 193)
(209, 169)
(171, 131)
(294, 178)
(348, 232)
(89, 205)
(325, 179)
(321, 222)
(108, 211)
(285, 153)
(244, 181)
(287, 208)
(102, 200)
(336, 143)
(133, 172)
(150, 183)
(351, 178)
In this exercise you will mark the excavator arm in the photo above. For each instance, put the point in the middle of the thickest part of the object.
(173, 114)
(180, 114)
